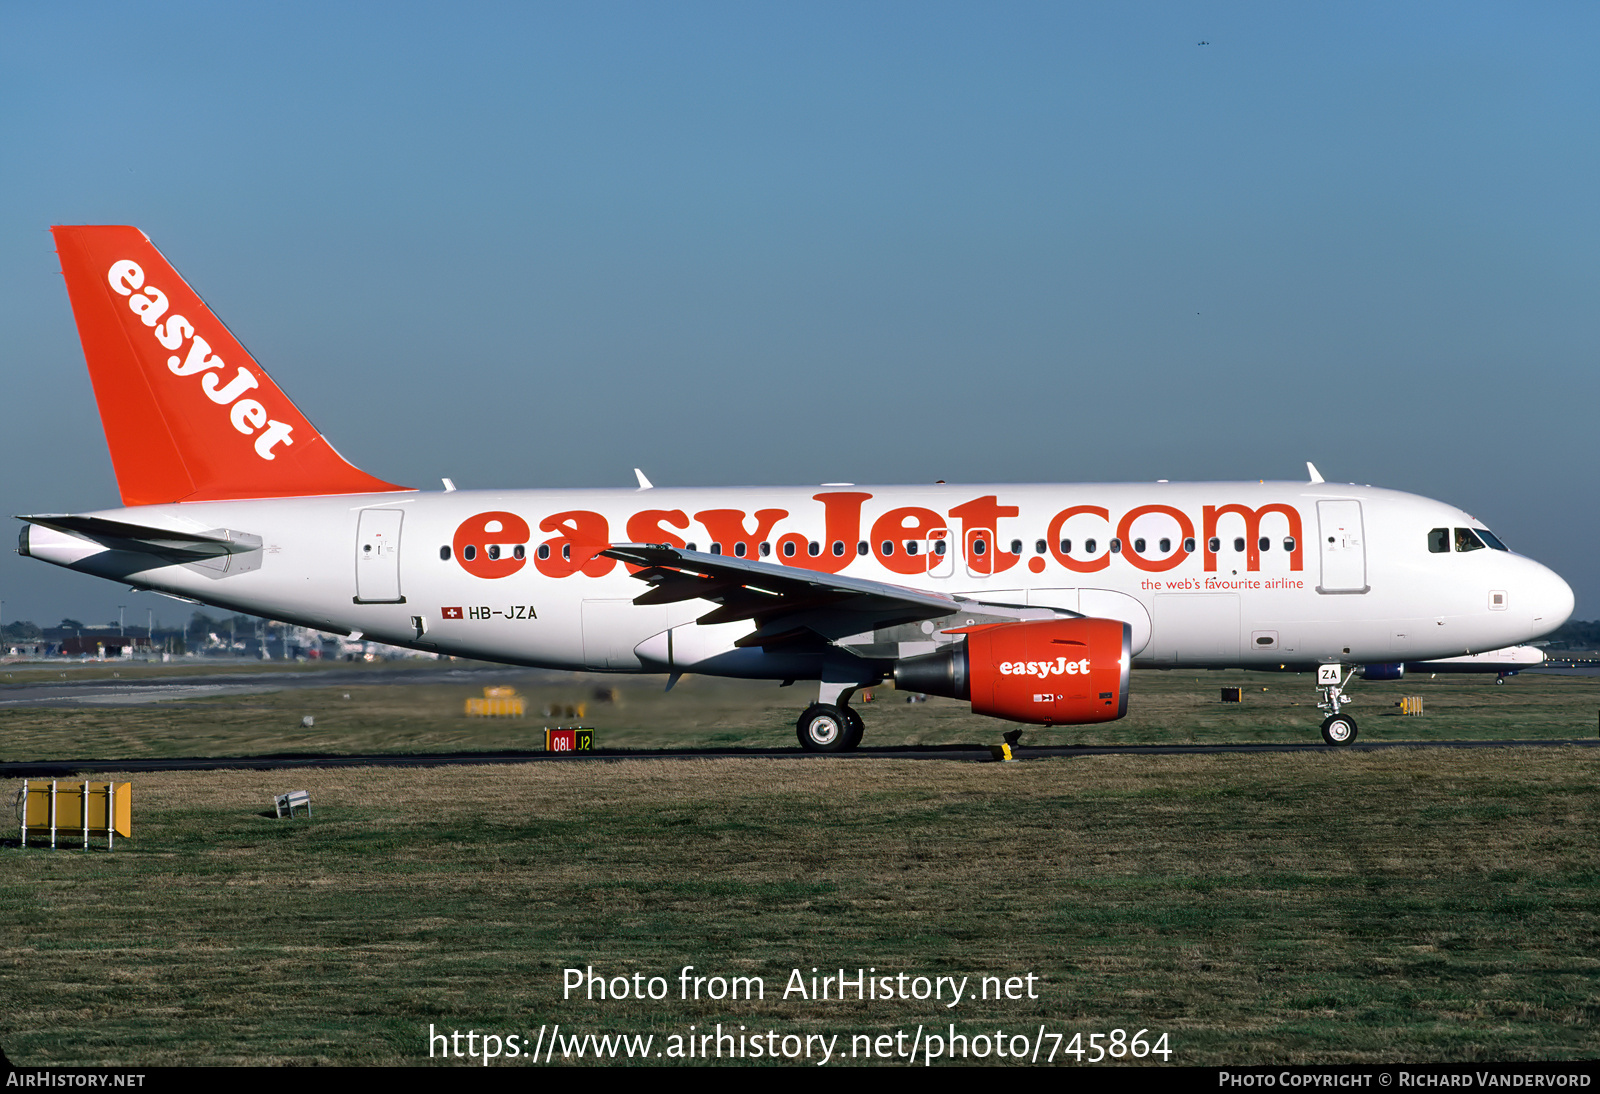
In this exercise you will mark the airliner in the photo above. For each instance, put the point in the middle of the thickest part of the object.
(1030, 602)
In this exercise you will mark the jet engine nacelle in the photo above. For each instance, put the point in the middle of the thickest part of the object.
(1047, 671)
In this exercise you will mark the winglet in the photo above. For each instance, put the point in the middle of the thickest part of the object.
(188, 414)
(1316, 476)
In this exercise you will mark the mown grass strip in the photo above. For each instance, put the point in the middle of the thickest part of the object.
(1294, 908)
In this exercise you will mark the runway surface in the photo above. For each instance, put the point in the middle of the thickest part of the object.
(138, 690)
(66, 768)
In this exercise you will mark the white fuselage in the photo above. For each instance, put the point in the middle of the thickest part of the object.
(1301, 574)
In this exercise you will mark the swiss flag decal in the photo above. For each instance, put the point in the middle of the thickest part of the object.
(450, 613)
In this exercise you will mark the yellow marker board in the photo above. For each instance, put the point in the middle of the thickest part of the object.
(52, 807)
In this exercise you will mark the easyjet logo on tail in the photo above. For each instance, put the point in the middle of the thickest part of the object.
(248, 416)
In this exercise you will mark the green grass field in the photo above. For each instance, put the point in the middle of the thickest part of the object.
(1327, 906)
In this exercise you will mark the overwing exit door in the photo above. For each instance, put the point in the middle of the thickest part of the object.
(378, 557)
(979, 552)
(941, 559)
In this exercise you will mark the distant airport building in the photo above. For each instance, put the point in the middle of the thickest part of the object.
(103, 646)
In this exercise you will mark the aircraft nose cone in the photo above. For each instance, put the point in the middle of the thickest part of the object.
(1553, 601)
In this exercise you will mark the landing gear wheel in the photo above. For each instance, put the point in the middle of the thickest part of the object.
(1340, 729)
(857, 728)
(823, 728)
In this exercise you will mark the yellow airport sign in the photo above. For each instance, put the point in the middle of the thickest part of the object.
(52, 807)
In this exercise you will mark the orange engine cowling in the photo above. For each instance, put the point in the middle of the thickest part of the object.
(1048, 672)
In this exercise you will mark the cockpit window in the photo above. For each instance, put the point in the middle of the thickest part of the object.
(1467, 540)
(1491, 539)
(1439, 541)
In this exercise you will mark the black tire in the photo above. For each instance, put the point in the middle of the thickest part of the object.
(823, 728)
(857, 728)
(1339, 729)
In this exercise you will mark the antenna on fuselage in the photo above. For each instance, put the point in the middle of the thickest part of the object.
(644, 483)
(1316, 476)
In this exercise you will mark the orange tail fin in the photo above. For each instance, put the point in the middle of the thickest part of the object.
(188, 414)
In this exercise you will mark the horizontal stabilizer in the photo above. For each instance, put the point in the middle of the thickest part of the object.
(122, 536)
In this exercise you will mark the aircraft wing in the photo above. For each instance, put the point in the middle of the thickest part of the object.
(784, 601)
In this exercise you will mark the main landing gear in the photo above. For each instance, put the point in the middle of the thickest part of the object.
(1337, 729)
(830, 726)
(824, 727)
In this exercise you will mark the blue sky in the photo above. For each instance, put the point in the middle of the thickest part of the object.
(539, 245)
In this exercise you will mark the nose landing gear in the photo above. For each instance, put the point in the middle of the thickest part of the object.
(1337, 729)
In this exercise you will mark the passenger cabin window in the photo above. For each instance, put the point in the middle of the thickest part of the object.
(1016, 546)
(888, 547)
(519, 552)
(1188, 544)
(543, 551)
(1088, 546)
(766, 549)
(1066, 546)
(738, 550)
(566, 552)
(716, 548)
(1238, 543)
(979, 547)
(1264, 543)
(813, 548)
(1116, 545)
(494, 550)
(686, 547)
(444, 553)
(862, 548)
(1288, 544)
(1467, 540)
(1439, 541)
(938, 547)
(1138, 546)
(838, 548)
(1213, 544)
(1166, 545)
(788, 549)
(911, 547)
(1040, 546)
